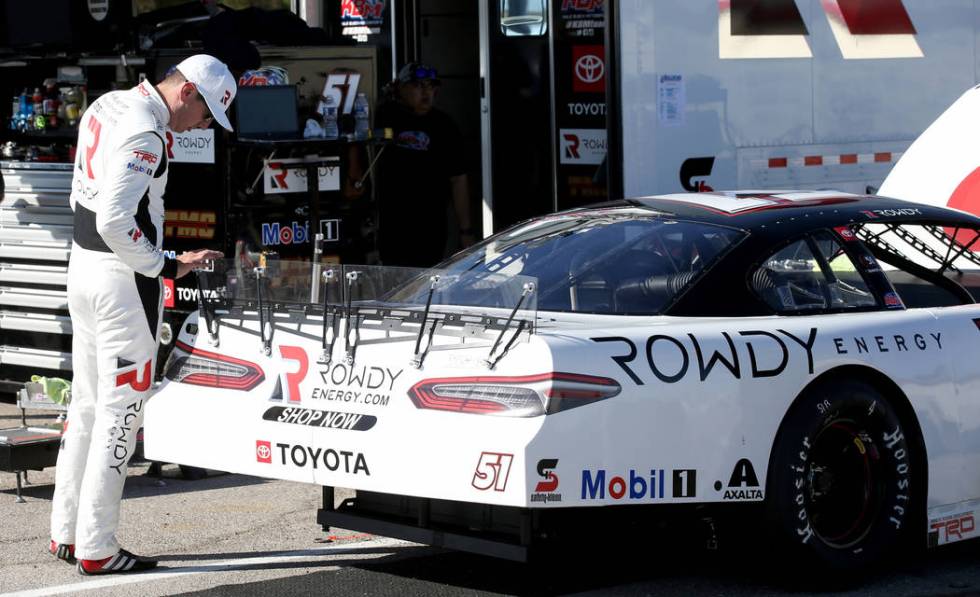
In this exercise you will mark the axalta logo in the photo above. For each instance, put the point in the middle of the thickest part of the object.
(294, 233)
(743, 483)
(597, 484)
(301, 456)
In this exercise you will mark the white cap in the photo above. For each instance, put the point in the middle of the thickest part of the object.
(213, 81)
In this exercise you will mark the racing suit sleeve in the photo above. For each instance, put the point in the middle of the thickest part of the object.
(128, 172)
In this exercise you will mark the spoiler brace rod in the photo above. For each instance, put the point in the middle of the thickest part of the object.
(492, 360)
(417, 357)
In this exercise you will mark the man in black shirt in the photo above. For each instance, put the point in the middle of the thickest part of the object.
(419, 173)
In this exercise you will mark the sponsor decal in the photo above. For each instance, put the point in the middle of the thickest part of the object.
(365, 385)
(951, 528)
(589, 69)
(132, 379)
(294, 233)
(368, 13)
(891, 213)
(546, 490)
(889, 343)
(120, 434)
(320, 418)
(582, 18)
(168, 293)
(192, 294)
(893, 301)
(294, 378)
(145, 156)
(846, 233)
(492, 471)
(182, 223)
(582, 146)
(289, 175)
(695, 168)
(596, 484)
(138, 168)
(743, 483)
(263, 451)
(586, 108)
(670, 360)
(193, 147)
(301, 456)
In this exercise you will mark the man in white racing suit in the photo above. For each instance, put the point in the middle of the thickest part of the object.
(115, 296)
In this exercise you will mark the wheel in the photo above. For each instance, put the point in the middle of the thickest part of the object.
(840, 488)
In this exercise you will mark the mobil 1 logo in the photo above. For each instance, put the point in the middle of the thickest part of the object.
(743, 484)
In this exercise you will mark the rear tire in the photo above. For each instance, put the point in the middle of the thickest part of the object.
(840, 488)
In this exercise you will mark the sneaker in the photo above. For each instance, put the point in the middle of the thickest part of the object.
(121, 562)
(62, 551)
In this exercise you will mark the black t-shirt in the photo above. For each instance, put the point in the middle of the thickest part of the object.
(413, 184)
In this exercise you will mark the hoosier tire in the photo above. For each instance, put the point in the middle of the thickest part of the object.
(840, 484)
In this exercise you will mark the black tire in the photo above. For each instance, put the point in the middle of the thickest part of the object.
(841, 487)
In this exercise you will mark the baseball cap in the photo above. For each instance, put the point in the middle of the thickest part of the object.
(213, 81)
(416, 71)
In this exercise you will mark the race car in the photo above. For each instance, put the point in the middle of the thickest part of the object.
(805, 356)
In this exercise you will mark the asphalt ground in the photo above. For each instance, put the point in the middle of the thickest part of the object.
(244, 536)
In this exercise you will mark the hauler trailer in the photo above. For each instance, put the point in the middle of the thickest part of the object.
(678, 96)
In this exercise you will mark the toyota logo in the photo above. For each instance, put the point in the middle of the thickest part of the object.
(589, 68)
(263, 452)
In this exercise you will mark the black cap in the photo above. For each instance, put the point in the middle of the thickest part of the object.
(416, 71)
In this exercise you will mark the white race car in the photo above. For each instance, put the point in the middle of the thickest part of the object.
(805, 355)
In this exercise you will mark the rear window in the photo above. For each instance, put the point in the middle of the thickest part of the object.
(622, 262)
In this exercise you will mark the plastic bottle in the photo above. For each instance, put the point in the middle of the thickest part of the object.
(22, 103)
(329, 112)
(38, 101)
(362, 127)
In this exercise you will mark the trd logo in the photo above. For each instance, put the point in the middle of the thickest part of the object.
(546, 469)
(492, 471)
(263, 451)
(953, 529)
(776, 29)
(743, 484)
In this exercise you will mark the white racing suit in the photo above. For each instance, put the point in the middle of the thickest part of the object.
(115, 301)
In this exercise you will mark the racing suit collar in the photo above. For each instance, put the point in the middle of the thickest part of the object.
(151, 95)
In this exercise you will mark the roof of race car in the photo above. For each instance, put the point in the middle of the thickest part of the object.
(792, 211)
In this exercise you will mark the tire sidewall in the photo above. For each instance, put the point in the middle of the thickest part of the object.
(787, 508)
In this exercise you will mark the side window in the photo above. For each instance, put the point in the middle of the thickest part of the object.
(811, 274)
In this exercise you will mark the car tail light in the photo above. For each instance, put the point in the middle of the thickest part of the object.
(198, 367)
(526, 396)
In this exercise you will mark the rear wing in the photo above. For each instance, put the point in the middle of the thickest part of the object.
(495, 310)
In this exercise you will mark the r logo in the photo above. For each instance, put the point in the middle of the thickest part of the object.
(571, 147)
(294, 353)
(131, 378)
(863, 29)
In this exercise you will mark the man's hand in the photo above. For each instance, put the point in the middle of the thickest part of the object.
(189, 260)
